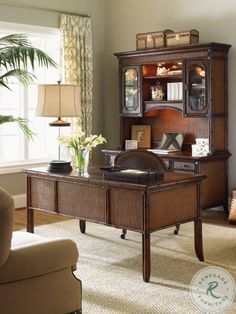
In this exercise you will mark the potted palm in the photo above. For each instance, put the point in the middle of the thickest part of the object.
(17, 58)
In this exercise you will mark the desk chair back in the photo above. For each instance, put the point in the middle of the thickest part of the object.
(140, 159)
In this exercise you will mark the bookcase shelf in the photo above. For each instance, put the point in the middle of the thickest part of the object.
(166, 76)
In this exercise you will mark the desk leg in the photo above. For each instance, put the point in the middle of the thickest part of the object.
(82, 225)
(30, 220)
(146, 256)
(198, 238)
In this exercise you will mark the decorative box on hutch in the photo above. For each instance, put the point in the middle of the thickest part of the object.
(182, 38)
(152, 40)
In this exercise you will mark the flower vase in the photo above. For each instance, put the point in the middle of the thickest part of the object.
(82, 160)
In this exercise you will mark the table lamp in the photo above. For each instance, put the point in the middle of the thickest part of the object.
(58, 100)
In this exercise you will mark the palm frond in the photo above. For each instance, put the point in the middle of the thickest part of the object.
(17, 52)
(23, 57)
(24, 77)
(4, 85)
(22, 123)
(18, 57)
(14, 39)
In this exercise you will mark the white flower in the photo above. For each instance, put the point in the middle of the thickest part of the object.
(78, 141)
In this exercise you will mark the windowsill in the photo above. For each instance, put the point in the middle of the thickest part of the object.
(17, 168)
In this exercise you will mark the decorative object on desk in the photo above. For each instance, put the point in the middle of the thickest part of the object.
(82, 159)
(81, 146)
(201, 148)
(142, 134)
(182, 38)
(131, 144)
(58, 100)
(172, 141)
(158, 92)
(133, 175)
(59, 166)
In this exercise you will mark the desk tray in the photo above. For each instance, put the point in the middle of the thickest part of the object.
(132, 175)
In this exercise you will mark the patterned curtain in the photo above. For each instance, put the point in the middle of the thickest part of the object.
(77, 62)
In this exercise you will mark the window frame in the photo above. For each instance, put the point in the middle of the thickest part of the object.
(11, 28)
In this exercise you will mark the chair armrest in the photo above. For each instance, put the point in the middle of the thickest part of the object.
(37, 259)
(6, 224)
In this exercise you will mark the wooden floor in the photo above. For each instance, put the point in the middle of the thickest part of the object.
(212, 216)
(40, 218)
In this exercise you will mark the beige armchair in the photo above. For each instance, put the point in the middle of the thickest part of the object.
(36, 274)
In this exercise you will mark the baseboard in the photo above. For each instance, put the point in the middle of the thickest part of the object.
(19, 200)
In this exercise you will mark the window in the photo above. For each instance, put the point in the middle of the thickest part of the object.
(21, 101)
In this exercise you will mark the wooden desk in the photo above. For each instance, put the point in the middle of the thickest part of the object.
(144, 208)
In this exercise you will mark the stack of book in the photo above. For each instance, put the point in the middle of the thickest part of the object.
(175, 91)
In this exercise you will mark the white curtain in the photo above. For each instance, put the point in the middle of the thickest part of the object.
(77, 62)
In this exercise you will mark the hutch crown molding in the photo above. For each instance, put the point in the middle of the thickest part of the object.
(193, 100)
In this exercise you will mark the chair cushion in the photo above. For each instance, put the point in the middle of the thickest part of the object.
(31, 256)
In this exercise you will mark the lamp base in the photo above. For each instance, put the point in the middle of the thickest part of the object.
(59, 166)
(59, 122)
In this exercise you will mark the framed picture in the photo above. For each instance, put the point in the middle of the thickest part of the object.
(142, 134)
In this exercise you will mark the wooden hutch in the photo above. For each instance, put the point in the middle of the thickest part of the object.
(201, 111)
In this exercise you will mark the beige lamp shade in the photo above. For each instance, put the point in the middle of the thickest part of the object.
(58, 100)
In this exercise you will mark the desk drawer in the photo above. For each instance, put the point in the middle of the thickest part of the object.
(184, 166)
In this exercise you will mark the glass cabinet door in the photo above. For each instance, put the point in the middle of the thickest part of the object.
(131, 91)
(196, 95)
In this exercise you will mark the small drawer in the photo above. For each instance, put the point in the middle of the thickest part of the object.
(184, 166)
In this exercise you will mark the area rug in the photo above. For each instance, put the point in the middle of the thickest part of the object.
(111, 271)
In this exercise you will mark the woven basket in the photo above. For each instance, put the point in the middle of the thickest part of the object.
(152, 40)
(182, 38)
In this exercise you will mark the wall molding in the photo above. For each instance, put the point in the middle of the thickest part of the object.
(20, 200)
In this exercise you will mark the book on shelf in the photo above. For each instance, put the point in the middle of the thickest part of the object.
(174, 91)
